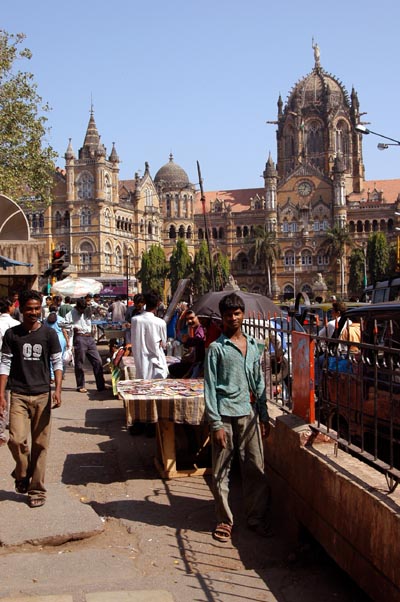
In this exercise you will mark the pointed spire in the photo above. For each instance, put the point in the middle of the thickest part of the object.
(113, 155)
(69, 153)
(146, 168)
(270, 170)
(92, 137)
(280, 105)
(100, 150)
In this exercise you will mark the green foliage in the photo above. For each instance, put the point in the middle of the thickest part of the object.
(378, 256)
(337, 239)
(26, 161)
(222, 269)
(180, 264)
(356, 275)
(201, 271)
(154, 270)
(264, 252)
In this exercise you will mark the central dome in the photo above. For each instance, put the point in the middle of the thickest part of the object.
(171, 175)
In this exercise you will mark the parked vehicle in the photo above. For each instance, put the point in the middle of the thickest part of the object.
(359, 392)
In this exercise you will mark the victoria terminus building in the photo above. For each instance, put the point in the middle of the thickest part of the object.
(317, 183)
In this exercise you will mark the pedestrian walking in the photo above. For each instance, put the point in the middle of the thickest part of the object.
(80, 322)
(235, 398)
(27, 351)
(118, 310)
(7, 321)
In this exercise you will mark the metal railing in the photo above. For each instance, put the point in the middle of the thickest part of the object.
(355, 390)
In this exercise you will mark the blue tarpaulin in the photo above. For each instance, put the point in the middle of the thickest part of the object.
(6, 262)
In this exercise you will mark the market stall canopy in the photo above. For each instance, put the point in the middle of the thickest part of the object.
(76, 287)
(255, 304)
(7, 262)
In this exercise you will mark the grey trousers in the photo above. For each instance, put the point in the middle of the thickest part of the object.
(243, 434)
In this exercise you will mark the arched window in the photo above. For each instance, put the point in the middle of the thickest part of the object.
(150, 228)
(149, 197)
(184, 206)
(66, 220)
(214, 233)
(289, 259)
(176, 205)
(107, 218)
(141, 227)
(245, 231)
(107, 187)
(238, 232)
(85, 256)
(85, 218)
(342, 144)
(107, 256)
(189, 232)
(172, 232)
(85, 186)
(58, 220)
(200, 234)
(306, 258)
(221, 233)
(168, 205)
(118, 258)
(181, 232)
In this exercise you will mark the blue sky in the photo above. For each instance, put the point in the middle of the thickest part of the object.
(200, 79)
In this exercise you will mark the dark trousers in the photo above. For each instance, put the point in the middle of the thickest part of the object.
(85, 347)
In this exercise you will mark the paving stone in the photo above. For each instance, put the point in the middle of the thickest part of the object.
(137, 596)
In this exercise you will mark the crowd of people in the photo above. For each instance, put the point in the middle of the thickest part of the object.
(37, 335)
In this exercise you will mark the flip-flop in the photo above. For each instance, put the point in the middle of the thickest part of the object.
(222, 532)
(36, 502)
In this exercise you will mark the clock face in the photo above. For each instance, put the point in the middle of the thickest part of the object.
(304, 188)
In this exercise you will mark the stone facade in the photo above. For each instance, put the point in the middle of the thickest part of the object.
(105, 224)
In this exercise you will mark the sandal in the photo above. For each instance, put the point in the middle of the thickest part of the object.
(36, 502)
(21, 485)
(82, 390)
(222, 532)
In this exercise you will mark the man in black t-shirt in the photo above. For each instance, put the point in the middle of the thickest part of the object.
(26, 354)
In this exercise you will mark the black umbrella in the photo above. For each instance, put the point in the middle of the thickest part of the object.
(255, 305)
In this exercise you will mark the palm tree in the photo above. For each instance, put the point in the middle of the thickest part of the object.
(338, 239)
(264, 252)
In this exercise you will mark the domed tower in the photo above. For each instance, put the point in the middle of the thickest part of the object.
(317, 125)
(176, 195)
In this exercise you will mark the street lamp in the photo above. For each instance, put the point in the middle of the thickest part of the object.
(361, 129)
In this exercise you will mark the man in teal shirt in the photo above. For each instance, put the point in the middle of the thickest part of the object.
(235, 399)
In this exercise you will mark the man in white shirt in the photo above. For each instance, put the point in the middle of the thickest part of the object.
(149, 338)
(7, 308)
(80, 321)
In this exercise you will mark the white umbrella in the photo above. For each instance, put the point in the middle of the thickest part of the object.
(76, 287)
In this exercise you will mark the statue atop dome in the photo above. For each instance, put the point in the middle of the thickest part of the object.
(317, 54)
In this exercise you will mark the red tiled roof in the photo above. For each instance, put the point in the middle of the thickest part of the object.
(390, 189)
(128, 184)
(239, 200)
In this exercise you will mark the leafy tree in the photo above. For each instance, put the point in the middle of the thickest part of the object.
(26, 161)
(201, 270)
(338, 239)
(180, 264)
(377, 256)
(222, 269)
(154, 270)
(357, 282)
(264, 252)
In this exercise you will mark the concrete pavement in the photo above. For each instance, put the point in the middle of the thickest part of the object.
(112, 530)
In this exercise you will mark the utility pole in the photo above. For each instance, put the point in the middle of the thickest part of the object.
(203, 202)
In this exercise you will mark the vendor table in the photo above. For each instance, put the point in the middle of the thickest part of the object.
(167, 403)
